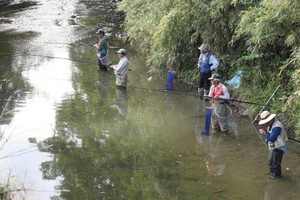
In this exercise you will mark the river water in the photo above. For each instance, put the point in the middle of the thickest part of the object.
(68, 133)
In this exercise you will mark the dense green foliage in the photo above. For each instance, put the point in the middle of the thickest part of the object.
(259, 37)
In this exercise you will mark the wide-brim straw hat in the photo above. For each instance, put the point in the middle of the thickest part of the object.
(265, 117)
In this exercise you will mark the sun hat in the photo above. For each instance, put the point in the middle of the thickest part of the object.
(122, 51)
(100, 31)
(265, 117)
(204, 47)
(215, 77)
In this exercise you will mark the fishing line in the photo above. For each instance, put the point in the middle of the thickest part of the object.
(24, 151)
(136, 87)
(256, 131)
(64, 43)
(36, 55)
(265, 105)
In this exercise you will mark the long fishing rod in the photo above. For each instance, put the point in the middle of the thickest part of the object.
(294, 139)
(63, 43)
(152, 89)
(235, 100)
(255, 119)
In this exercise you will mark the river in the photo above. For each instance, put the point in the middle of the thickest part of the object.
(68, 133)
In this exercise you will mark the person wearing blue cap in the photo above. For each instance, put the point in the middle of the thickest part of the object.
(102, 50)
(206, 64)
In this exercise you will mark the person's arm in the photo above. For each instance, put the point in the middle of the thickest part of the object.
(209, 95)
(200, 58)
(100, 45)
(226, 95)
(215, 63)
(121, 66)
(112, 66)
(272, 137)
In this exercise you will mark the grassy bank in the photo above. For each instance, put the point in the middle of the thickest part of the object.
(258, 37)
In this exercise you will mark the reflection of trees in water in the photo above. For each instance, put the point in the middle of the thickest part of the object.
(5, 6)
(11, 79)
(97, 158)
(4, 2)
(102, 86)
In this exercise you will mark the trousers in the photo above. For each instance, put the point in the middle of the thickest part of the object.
(204, 81)
(218, 117)
(275, 159)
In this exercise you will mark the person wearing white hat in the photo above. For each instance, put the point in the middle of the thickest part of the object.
(277, 138)
(121, 69)
(218, 94)
(206, 64)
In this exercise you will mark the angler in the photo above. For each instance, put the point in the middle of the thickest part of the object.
(102, 50)
(218, 93)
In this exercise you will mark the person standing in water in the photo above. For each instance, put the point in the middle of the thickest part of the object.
(218, 94)
(102, 50)
(121, 69)
(277, 138)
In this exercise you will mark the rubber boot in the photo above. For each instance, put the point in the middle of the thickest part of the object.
(206, 92)
(201, 92)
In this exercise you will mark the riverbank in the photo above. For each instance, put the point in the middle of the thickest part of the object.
(240, 34)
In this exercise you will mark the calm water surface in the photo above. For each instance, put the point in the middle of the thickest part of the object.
(69, 133)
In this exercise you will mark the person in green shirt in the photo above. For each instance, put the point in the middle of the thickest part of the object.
(102, 50)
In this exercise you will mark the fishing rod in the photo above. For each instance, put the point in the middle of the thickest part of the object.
(294, 139)
(64, 43)
(235, 100)
(36, 55)
(255, 119)
(152, 89)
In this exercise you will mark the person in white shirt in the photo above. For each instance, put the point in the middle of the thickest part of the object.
(121, 69)
(218, 94)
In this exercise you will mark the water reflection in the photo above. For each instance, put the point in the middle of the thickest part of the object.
(276, 189)
(213, 147)
(12, 85)
(170, 98)
(120, 103)
(102, 86)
